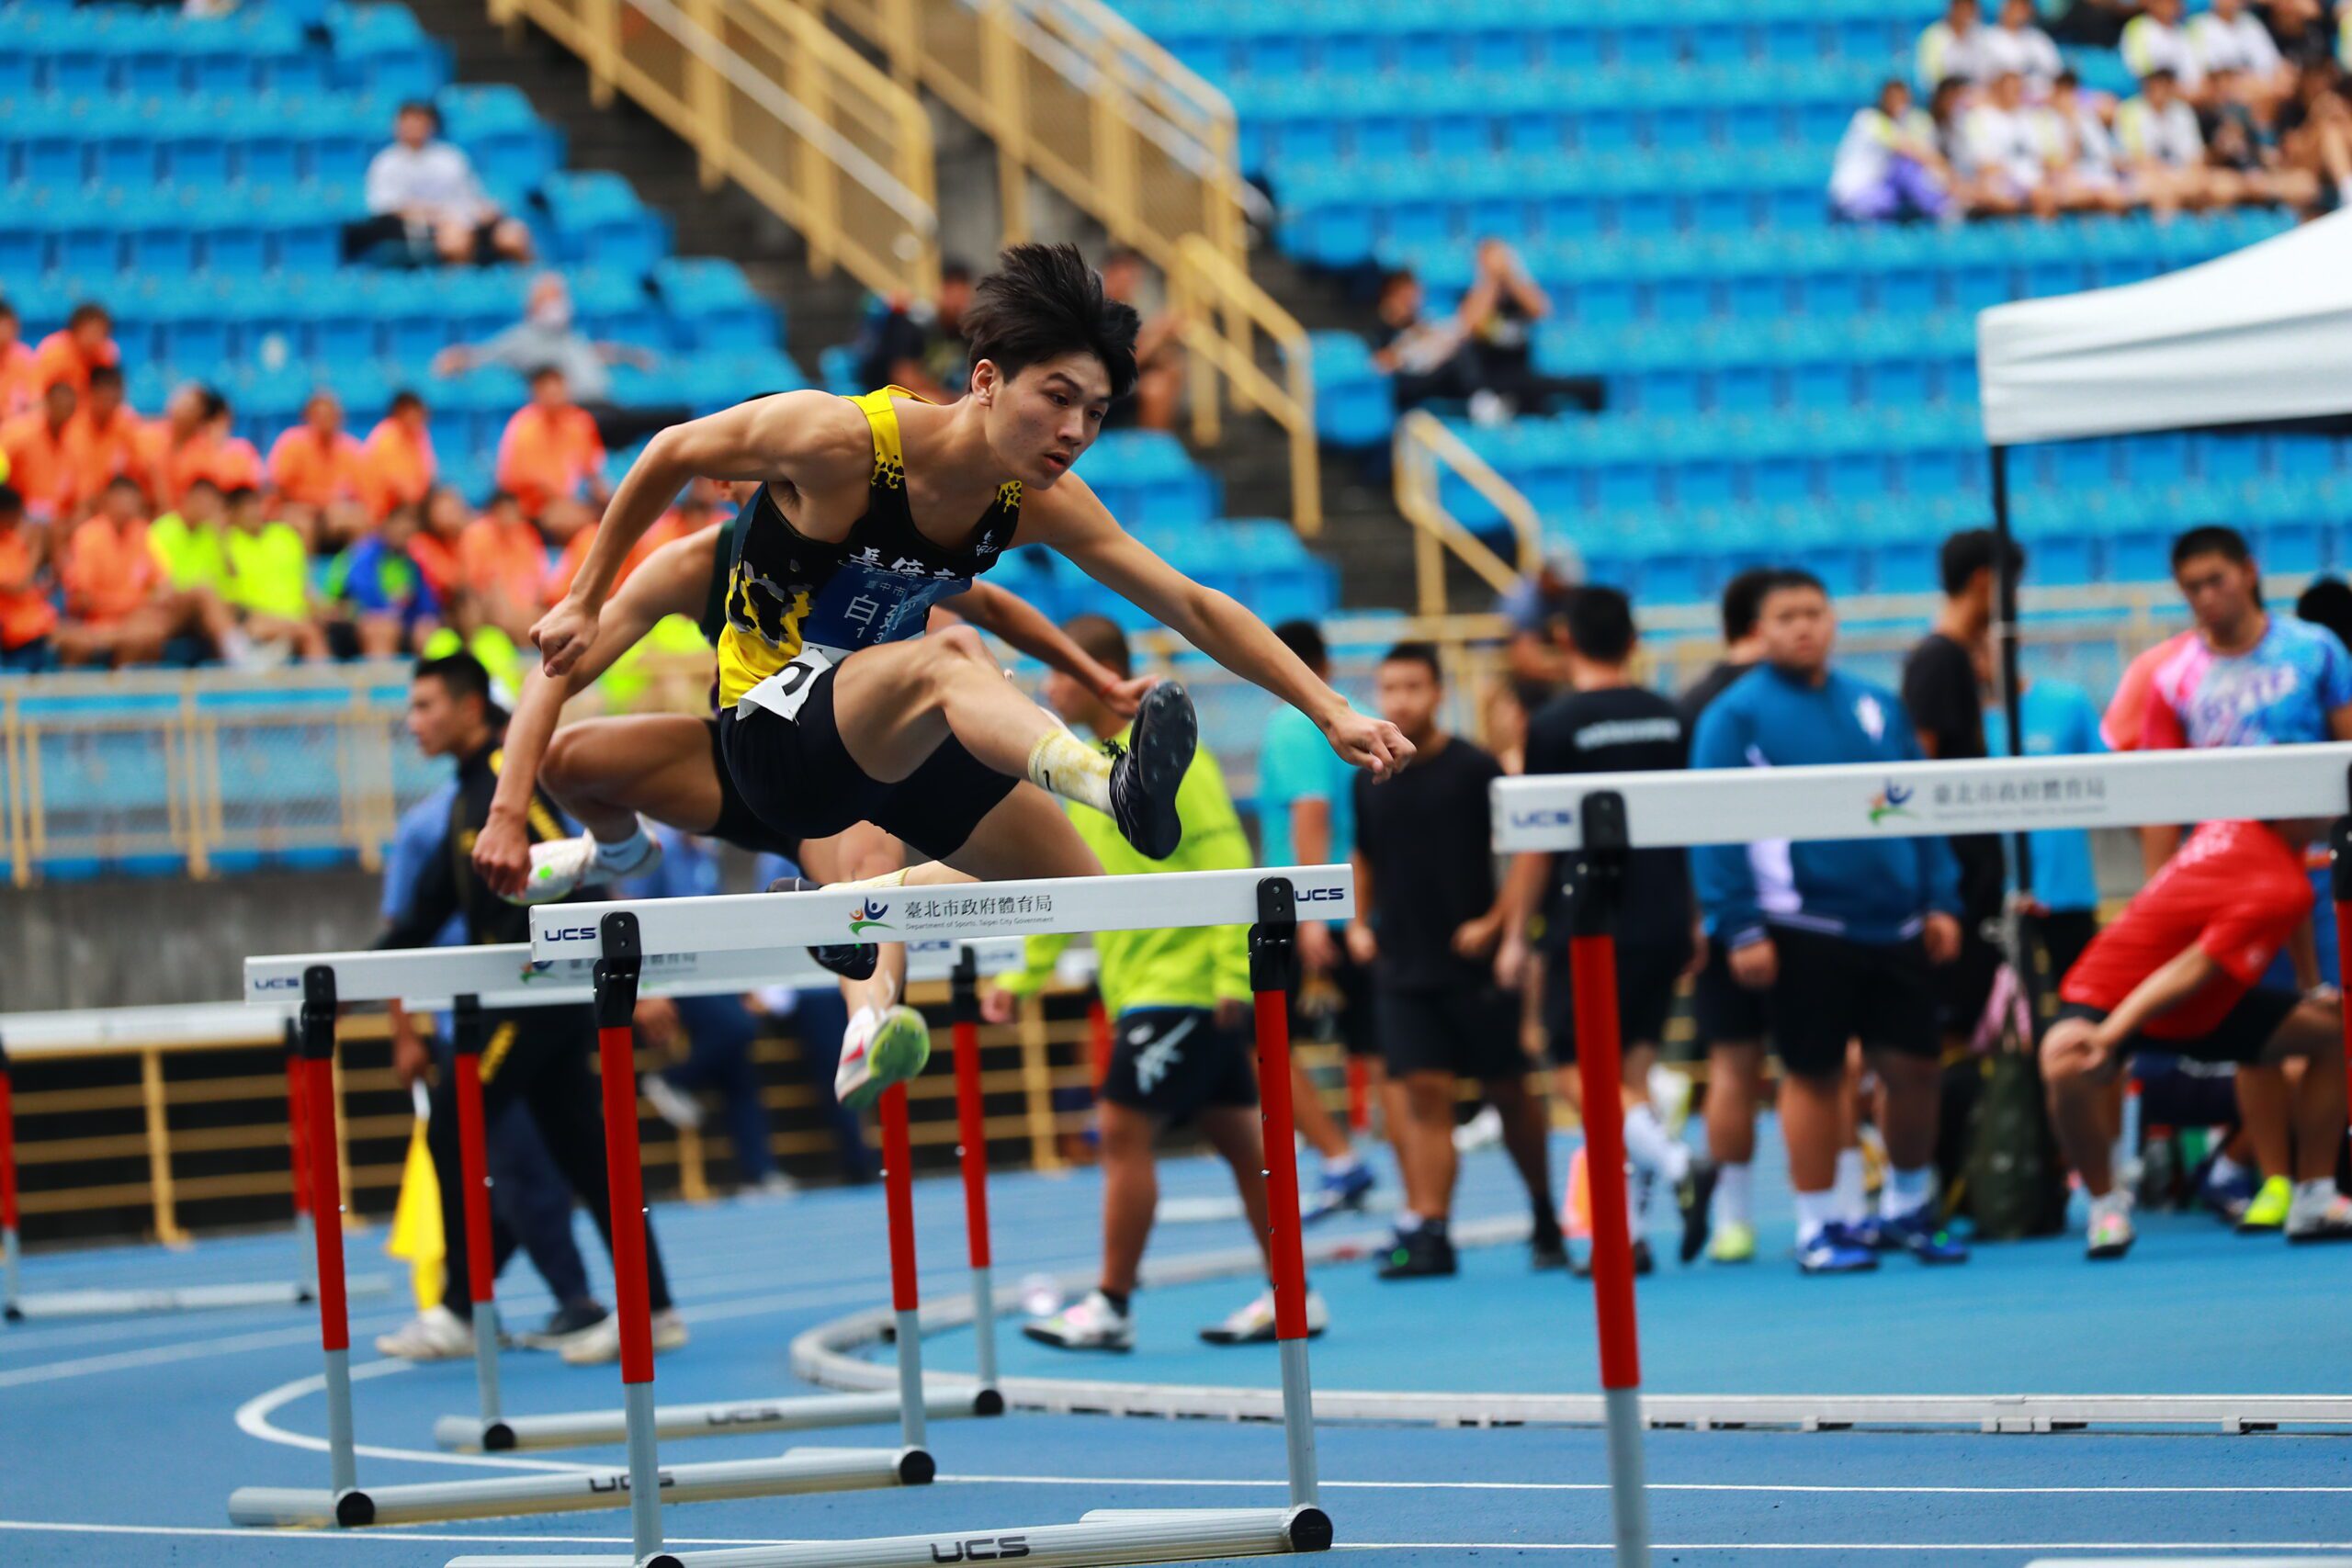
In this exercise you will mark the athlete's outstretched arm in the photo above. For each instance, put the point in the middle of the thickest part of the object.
(809, 440)
(1025, 627)
(1072, 520)
(672, 581)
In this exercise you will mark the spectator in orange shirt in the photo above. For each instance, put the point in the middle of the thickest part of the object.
(104, 440)
(550, 447)
(194, 441)
(26, 616)
(436, 548)
(19, 386)
(401, 464)
(120, 607)
(70, 355)
(506, 564)
(35, 445)
(318, 462)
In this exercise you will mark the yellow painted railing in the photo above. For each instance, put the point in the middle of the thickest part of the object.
(1426, 451)
(772, 98)
(1220, 314)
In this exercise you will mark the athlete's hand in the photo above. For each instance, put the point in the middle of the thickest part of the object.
(502, 856)
(564, 633)
(411, 1059)
(1475, 939)
(1316, 951)
(1372, 744)
(1123, 697)
(996, 1005)
(1511, 961)
(1941, 937)
(1756, 965)
(1362, 946)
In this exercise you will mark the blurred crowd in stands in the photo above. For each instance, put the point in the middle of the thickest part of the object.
(2242, 105)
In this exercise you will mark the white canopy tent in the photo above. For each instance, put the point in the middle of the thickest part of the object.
(2259, 335)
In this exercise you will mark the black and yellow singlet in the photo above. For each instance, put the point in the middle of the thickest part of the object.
(788, 594)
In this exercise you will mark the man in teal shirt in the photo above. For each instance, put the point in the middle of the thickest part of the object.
(1306, 815)
(1180, 999)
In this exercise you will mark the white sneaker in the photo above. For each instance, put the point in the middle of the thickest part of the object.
(671, 1103)
(879, 1050)
(562, 866)
(436, 1334)
(1486, 1127)
(1091, 1323)
(2326, 1216)
(1254, 1324)
(775, 1184)
(603, 1343)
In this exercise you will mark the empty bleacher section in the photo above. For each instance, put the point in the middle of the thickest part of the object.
(1776, 381)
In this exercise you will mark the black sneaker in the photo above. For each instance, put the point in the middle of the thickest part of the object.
(850, 960)
(1422, 1254)
(564, 1325)
(1547, 1250)
(1694, 1195)
(1581, 1265)
(1146, 772)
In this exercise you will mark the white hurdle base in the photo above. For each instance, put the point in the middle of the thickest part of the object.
(1107, 1537)
(799, 1471)
(191, 1298)
(590, 1428)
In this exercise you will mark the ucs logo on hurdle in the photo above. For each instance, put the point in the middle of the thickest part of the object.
(980, 1549)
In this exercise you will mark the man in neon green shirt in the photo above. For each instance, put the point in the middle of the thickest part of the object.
(1180, 1000)
(186, 541)
(269, 578)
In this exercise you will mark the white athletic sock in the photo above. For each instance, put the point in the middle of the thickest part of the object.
(615, 853)
(1060, 764)
(2225, 1169)
(1735, 1194)
(2115, 1201)
(862, 1020)
(1650, 1147)
(1848, 1189)
(1816, 1210)
(1342, 1165)
(1906, 1190)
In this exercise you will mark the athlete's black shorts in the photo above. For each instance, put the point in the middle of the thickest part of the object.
(1335, 1007)
(2242, 1037)
(1470, 1030)
(1647, 974)
(1831, 990)
(738, 824)
(1174, 1063)
(797, 777)
(1726, 1012)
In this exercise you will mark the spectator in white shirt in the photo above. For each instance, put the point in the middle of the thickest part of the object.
(2165, 149)
(1953, 47)
(2017, 44)
(2156, 40)
(2079, 152)
(2232, 38)
(1887, 167)
(423, 193)
(2002, 152)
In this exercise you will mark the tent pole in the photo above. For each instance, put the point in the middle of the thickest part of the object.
(2005, 645)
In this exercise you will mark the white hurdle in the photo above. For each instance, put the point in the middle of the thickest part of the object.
(1595, 820)
(623, 938)
(469, 979)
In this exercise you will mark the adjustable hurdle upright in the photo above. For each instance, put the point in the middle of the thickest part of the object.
(621, 938)
(1595, 820)
(914, 1400)
(469, 978)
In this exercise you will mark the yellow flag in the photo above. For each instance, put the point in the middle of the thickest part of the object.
(416, 1223)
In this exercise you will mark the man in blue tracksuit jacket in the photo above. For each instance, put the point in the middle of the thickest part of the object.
(1838, 937)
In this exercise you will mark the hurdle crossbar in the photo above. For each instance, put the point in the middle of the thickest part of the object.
(427, 976)
(621, 935)
(1595, 821)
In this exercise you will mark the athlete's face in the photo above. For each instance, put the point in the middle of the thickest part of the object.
(1407, 691)
(1797, 630)
(2220, 591)
(1040, 422)
(436, 719)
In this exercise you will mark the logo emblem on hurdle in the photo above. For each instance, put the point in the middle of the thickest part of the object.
(869, 913)
(1892, 801)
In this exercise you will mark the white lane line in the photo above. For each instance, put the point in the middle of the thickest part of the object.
(162, 1355)
(393, 1536)
(254, 1420)
(1330, 1485)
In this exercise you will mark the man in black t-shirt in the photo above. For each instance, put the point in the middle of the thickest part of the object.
(1943, 690)
(1730, 1017)
(1428, 922)
(1606, 724)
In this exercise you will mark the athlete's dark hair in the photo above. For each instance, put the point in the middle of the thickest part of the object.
(1100, 636)
(1969, 551)
(1743, 597)
(2212, 539)
(405, 399)
(462, 676)
(1775, 579)
(106, 376)
(2327, 602)
(87, 310)
(1305, 640)
(1601, 625)
(1043, 301)
(1424, 653)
